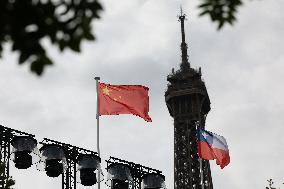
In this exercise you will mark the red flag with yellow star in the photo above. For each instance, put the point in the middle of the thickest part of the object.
(124, 99)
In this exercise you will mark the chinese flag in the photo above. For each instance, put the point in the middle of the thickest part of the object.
(124, 99)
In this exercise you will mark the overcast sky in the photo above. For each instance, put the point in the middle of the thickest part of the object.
(138, 43)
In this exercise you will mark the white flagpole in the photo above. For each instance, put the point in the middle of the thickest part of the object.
(201, 173)
(98, 128)
(200, 161)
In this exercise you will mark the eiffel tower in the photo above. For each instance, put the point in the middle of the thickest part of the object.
(188, 103)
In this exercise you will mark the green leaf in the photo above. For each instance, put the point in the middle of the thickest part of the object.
(23, 57)
(39, 64)
(89, 36)
(75, 46)
(221, 24)
(37, 67)
(204, 12)
(204, 5)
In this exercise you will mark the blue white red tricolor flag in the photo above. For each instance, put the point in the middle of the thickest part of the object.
(212, 146)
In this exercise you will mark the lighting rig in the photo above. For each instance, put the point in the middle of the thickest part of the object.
(76, 165)
(23, 145)
(125, 175)
(60, 158)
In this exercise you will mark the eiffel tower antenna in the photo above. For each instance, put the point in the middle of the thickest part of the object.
(185, 65)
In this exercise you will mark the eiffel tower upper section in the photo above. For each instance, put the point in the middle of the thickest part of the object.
(186, 80)
(188, 103)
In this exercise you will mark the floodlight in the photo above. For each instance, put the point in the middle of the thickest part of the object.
(23, 148)
(90, 169)
(119, 176)
(153, 181)
(54, 158)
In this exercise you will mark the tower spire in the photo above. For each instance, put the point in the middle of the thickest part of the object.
(184, 63)
(188, 103)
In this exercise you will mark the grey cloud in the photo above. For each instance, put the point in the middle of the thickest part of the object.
(139, 44)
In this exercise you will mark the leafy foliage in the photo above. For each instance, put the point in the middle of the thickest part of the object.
(67, 23)
(270, 184)
(25, 23)
(220, 11)
(8, 182)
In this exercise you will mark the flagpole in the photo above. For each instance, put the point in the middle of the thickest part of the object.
(98, 122)
(200, 125)
(200, 160)
(201, 173)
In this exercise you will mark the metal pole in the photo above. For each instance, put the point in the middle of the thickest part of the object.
(98, 121)
(74, 174)
(8, 161)
(199, 125)
(201, 173)
(63, 180)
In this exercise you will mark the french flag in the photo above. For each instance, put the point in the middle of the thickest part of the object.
(212, 146)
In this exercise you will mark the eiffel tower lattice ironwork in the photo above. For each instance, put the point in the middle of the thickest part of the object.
(188, 103)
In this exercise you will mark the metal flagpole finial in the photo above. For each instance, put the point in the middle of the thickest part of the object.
(182, 16)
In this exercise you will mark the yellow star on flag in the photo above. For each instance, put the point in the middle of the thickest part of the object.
(106, 91)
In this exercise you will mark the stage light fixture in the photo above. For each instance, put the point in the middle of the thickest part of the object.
(153, 181)
(119, 176)
(90, 169)
(53, 157)
(23, 148)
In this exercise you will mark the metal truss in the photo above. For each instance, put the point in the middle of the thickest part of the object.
(71, 154)
(6, 136)
(137, 170)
